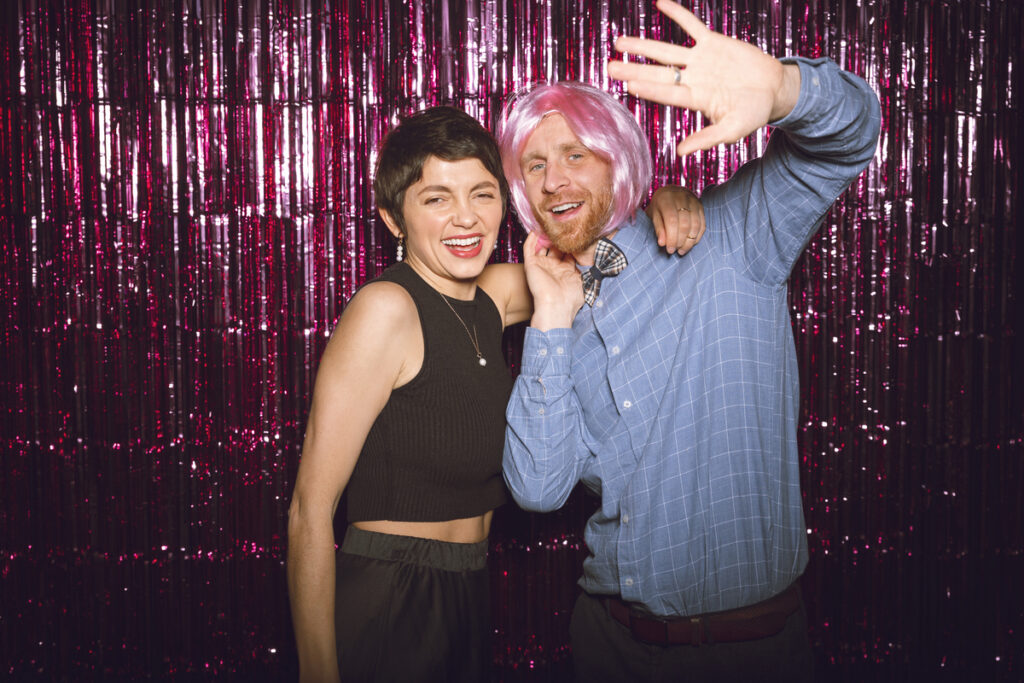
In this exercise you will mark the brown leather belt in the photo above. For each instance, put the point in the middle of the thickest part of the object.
(760, 620)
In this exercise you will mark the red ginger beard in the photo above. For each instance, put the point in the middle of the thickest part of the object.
(577, 235)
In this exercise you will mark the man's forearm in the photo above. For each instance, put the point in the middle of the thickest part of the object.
(543, 443)
(540, 473)
(772, 205)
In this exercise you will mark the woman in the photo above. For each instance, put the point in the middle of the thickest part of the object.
(408, 415)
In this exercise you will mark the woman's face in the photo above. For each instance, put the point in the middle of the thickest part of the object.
(452, 217)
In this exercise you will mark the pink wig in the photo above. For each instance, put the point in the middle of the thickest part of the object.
(601, 123)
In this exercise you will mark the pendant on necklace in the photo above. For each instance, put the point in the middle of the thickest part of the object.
(473, 339)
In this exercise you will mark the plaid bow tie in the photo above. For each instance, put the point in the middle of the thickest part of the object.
(609, 261)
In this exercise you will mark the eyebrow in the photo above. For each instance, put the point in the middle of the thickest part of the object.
(564, 147)
(444, 188)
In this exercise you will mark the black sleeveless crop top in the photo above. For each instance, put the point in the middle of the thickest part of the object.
(434, 452)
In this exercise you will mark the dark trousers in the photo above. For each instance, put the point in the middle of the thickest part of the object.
(412, 609)
(604, 651)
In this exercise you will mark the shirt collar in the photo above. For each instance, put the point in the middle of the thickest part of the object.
(634, 238)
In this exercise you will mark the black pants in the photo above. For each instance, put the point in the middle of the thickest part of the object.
(412, 609)
(603, 650)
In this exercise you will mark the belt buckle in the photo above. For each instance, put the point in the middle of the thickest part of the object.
(697, 630)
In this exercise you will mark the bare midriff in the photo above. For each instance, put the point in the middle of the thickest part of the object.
(467, 530)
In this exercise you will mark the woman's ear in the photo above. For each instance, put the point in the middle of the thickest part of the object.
(392, 224)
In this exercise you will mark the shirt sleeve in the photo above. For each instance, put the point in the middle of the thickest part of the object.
(544, 445)
(771, 207)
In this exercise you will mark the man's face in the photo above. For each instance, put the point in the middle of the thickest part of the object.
(569, 187)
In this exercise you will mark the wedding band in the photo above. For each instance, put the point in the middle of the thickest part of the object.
(678, 77)
(682, 208)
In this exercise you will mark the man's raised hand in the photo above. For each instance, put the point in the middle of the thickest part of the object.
(734, 84)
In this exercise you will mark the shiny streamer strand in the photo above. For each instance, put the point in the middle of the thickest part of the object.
(185, 208)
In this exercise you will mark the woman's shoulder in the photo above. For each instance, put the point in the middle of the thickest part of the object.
(378, 329)
(386, 304)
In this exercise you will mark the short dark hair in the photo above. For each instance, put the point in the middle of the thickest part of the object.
(444, 132)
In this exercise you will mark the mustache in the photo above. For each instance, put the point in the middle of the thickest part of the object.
(556, 200)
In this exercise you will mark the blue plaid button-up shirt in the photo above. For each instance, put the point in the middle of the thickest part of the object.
(675, 397)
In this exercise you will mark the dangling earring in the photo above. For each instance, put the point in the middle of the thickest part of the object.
(400, 250)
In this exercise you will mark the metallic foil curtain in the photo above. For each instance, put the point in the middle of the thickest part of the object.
(185, 207)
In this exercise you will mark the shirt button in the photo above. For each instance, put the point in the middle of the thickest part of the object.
(625, 519)
(628, 582)
(615, 350)
(627, 404)
(540, 411)
(559, 350)
(598, 304)
(543, 352)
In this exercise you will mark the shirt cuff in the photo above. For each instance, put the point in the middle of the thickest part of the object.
(546, 354)
(816, 92)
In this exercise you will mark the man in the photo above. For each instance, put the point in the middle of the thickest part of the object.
(672, 392)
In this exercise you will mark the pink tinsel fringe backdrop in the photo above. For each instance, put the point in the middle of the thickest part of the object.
(185, 208)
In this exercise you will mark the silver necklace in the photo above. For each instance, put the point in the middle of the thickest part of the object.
(472, 337)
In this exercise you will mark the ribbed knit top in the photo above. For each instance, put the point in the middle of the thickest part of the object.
(434, 452)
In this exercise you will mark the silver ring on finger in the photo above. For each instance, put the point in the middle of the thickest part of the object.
(677, 74)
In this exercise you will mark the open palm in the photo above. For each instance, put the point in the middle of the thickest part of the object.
(734, 84)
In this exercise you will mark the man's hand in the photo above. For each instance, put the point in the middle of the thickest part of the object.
(734, 84)
(678, 218)
(555, 284)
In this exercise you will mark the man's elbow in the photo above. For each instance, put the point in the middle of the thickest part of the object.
(532, 499)
(870, 123)
(536, 504)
